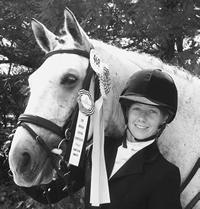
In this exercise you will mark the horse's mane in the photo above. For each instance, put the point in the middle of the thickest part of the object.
(146, 61)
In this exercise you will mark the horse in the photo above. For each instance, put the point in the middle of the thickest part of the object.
(54, 90)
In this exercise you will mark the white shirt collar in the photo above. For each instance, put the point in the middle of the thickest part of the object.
(136, 146)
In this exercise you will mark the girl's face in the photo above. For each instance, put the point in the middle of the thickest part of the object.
(143, 121)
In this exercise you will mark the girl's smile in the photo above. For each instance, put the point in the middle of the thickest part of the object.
(143, 121)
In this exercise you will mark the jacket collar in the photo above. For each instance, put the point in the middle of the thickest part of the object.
(147, 155)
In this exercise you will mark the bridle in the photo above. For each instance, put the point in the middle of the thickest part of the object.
(67, 131)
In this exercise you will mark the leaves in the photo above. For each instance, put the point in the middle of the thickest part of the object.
(146, 23)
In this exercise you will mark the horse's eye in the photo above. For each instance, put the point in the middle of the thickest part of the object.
(68, 79)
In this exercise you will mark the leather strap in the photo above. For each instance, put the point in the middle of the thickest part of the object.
(42, 122)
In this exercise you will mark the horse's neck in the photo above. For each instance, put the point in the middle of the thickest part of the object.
(121, 67)
(142, 60)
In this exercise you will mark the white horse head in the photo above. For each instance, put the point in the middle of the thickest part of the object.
(53, 95)
(54, 89)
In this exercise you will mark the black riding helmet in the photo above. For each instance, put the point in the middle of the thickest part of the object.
(152, 87)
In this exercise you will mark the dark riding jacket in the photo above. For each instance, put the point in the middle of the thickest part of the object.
(146, 181)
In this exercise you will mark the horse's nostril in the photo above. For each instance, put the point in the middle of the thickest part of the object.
(26, 162)
(27, 158)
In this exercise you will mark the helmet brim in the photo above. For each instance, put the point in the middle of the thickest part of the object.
(139, 99)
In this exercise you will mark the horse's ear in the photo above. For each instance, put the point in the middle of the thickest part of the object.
(45, 38)
(72, 27)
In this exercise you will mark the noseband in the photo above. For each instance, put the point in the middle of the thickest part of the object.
(67, 131)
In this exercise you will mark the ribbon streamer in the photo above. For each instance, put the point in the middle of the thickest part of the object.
(99, 181)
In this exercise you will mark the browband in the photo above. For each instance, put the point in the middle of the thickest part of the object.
(69, 51)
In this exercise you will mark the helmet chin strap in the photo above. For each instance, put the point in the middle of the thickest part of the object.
(155, 136)
(141, 140)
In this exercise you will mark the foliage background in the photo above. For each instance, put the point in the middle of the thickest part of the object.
(168, 29)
